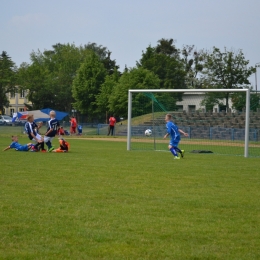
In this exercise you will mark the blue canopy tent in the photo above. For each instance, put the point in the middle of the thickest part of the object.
(59, 115)
(40, 115)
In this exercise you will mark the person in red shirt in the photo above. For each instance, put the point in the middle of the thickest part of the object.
(61, 131)
(111, 127)
(73, 125)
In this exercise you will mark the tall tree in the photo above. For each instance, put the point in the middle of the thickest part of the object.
(239, 101)
(105, 92)
(62, 64)
(53, 71)
(194, 63)
(34, 78)
(7, 79)
(136, 78)
(49, 76)
(87, 84)
(167, 47)
(226, 70)
(105, 56)
(164, 61)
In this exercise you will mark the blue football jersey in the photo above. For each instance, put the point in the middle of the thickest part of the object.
(19, 147)
(173, 130)
(30, 128)
(54, 125)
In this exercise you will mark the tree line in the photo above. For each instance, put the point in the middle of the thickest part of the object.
(85, 78)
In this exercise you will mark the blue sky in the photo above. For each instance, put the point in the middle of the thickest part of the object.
(127, 27)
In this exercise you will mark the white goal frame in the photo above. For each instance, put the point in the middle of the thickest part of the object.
(247, 112)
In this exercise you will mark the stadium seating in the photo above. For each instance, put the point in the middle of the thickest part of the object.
(219, 125)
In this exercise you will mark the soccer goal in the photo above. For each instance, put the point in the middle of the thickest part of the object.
(217, 120)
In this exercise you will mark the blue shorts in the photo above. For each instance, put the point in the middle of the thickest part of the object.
(174, 143)
(22, 148)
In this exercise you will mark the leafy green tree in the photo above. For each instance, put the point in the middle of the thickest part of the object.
(167, 48)
(211, 99)
(105, 92)
(50, 75)
(239, 101)
(226, 70)
(62, 64)
(163, 60)
(136, 78)
(194, 63)
(7, 79)
(87, 85)
(168, 100)
(105, 56)
(34, 78)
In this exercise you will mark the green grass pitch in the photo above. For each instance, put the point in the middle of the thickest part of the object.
(100, 201)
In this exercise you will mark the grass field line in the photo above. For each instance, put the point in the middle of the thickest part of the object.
(199, 142)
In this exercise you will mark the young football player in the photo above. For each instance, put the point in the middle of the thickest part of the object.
(53, 125)
(64, 146)
(31, 128)
(19, 147)
(174, 132)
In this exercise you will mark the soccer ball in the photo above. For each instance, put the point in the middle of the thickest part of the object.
(148, 132)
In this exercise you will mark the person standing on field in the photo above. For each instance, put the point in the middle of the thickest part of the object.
(73, 125)
(174, 132)
(111, 127)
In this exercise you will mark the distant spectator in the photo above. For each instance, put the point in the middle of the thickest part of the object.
(79, 129)
(66, 132)
(61, 131)
(73, 125)
(111, 127)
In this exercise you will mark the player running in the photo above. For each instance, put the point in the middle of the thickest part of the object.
(174, 132)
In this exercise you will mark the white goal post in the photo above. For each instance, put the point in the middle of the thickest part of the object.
(247, 109)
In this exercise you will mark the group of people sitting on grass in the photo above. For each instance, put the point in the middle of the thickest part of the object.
(32, 129)
(62, 131)
(74, 127)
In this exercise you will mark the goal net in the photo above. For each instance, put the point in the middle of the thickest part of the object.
(217, 121)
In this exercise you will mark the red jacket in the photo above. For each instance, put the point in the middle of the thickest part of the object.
(112, 121)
